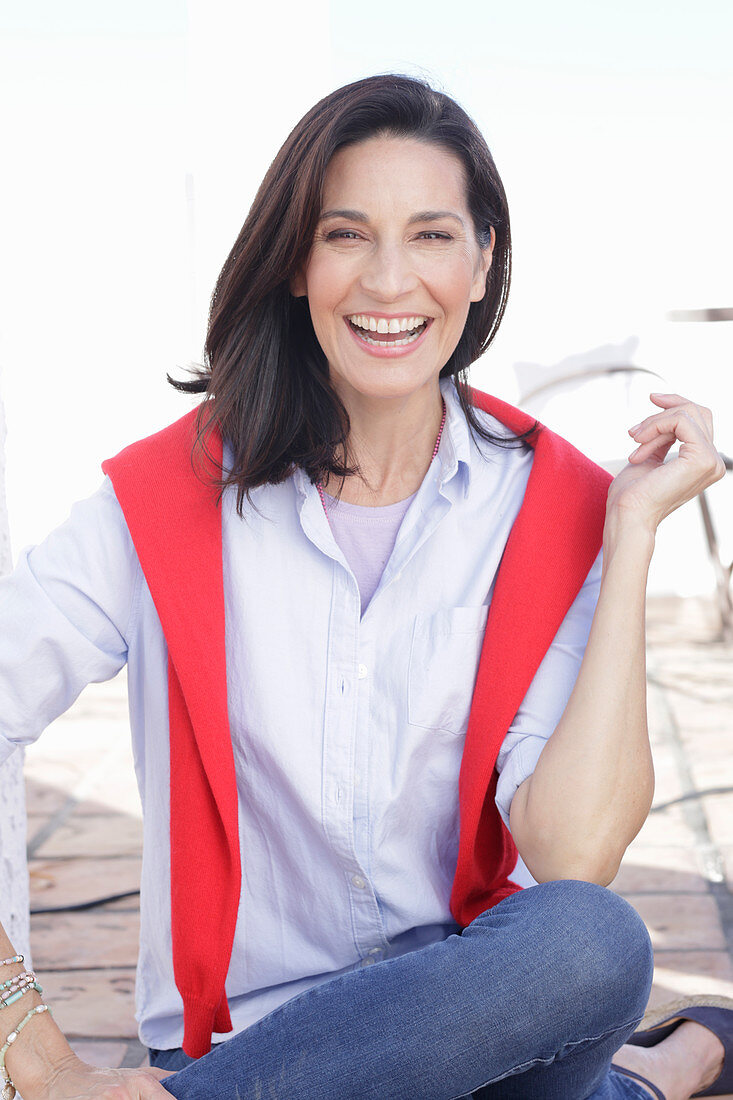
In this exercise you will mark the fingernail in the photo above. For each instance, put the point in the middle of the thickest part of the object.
(635, 427)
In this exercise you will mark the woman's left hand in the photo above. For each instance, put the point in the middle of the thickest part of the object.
(649, 488)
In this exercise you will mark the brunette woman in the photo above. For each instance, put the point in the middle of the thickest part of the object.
(385, 647)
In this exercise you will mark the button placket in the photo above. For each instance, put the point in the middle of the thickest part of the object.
(347, 713)
(340, 721)
(366, 913)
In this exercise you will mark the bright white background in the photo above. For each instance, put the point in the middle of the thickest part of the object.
(135, 136)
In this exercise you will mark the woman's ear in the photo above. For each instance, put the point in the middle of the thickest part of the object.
(478, 287)
(298, 287)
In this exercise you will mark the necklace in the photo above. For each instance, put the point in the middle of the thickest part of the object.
(435, 451)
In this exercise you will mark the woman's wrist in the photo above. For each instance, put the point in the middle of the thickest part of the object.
(626, 531)
(38, 1053)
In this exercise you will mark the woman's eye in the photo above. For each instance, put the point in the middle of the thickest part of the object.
(349, 234)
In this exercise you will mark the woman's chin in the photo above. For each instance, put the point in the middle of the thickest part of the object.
(387, 379)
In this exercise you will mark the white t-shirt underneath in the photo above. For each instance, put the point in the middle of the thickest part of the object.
(367, 537)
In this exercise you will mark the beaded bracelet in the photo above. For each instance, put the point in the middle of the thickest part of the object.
(8, 1091)
(7, 997)
(15, 959)
(18, 980)
(21, 993)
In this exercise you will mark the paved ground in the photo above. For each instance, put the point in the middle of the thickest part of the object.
(84, 836)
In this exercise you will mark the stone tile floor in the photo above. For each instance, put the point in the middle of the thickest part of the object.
(84, 838)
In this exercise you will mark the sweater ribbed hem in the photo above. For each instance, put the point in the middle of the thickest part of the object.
(198, 1026)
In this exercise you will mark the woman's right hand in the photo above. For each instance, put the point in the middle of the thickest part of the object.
(77, 1080)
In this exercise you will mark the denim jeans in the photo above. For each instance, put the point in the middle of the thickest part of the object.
(531, 1000)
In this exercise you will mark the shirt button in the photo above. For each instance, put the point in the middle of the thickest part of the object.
(358, 882)
(362, 672)
(367, 962)
(375, 950)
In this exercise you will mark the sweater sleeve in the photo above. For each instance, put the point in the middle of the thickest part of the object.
(548, 694)
(65, 614)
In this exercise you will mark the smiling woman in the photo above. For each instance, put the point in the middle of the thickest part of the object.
(383, 202)
(371, 249)
(394, 630)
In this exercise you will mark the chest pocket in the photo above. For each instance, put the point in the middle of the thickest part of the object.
(444, 658)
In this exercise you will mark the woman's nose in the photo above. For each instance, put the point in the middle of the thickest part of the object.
(388, 273)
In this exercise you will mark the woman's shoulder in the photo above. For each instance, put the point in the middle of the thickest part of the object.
(500, 416)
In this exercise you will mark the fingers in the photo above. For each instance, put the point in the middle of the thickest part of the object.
(656, 447)
(665, 427)
(150, 1088)
(700, 413)
(658, 433)
(681, 420)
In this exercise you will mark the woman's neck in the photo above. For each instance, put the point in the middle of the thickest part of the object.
(393, 442)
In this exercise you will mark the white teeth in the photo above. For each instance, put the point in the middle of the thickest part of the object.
(390, 343)
(381, 324)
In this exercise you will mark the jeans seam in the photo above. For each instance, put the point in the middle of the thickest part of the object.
(567, 1048)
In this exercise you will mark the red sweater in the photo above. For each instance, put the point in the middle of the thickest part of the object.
(175, 525)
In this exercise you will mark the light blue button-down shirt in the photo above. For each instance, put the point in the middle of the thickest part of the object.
(347, 729)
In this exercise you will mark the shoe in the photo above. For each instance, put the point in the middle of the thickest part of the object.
(637, 1077)
(714, 1013)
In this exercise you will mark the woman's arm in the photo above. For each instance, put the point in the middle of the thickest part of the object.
(43, 1066)
(591, 790)
(63, 617)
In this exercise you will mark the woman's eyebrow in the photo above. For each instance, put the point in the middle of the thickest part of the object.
(423, 216)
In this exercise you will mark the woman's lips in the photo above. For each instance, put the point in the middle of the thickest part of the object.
(384, 351)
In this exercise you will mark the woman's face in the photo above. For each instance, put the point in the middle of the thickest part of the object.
(395, 243)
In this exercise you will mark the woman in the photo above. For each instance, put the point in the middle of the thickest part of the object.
(316, 679)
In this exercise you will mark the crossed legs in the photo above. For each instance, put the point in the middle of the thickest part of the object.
(531, 1000)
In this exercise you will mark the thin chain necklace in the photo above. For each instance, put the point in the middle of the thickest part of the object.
(435, 451)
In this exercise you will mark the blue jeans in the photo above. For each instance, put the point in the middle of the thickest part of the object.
(531, 1000)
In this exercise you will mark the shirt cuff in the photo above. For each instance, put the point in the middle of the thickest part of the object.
(518, 766)
(7, 748)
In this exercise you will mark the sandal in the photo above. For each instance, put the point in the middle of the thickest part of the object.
(714, 1013)
(637, 1077)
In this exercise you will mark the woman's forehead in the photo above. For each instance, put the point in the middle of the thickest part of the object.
(398, 171)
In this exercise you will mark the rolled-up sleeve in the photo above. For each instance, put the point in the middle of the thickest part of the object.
(64, 617)
(548, 694)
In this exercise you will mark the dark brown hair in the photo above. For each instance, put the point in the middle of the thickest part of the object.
(265, 375)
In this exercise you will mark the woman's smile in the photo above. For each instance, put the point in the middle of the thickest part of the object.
(388, 337)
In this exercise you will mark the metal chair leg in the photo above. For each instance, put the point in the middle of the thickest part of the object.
(722, 573)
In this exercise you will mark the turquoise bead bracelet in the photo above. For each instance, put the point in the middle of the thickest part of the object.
(15, 959)
(21, 993)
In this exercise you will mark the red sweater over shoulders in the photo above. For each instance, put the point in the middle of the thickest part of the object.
(175, 525)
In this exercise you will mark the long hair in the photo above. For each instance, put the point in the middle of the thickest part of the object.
(265, 375)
